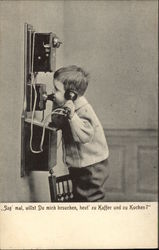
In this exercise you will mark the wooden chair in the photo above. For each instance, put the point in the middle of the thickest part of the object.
(60, 188)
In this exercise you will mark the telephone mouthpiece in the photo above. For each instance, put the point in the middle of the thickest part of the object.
(48, 97)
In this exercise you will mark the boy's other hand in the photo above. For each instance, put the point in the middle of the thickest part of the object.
(70, 107)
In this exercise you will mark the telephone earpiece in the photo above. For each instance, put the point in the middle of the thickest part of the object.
(70, 95)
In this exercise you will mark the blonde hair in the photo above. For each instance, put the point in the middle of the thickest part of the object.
(73, 78)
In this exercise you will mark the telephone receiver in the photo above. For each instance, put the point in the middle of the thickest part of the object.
(60, 114)
(69, 95)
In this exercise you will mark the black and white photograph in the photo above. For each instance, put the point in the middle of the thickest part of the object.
(79, 108)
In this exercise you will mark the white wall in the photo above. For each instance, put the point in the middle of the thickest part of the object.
(45, 17)
(116, 41)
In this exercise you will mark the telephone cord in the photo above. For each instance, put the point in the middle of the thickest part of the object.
(33, 80)
(44, 126)
(43, 132)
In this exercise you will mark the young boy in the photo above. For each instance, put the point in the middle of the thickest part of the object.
(85, 148)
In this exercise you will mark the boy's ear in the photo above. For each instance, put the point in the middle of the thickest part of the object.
(70, 95)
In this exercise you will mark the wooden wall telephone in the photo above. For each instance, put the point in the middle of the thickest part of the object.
(39, 56)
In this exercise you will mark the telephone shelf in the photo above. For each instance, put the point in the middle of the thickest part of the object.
(39, 123)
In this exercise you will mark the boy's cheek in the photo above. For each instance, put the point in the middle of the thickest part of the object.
(58, 102)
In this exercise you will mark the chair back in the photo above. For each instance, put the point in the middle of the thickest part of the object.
(61, 188)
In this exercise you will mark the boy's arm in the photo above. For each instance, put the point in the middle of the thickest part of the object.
(80, 123)
(82, 129)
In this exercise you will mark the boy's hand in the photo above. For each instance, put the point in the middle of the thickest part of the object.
(70, 108)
